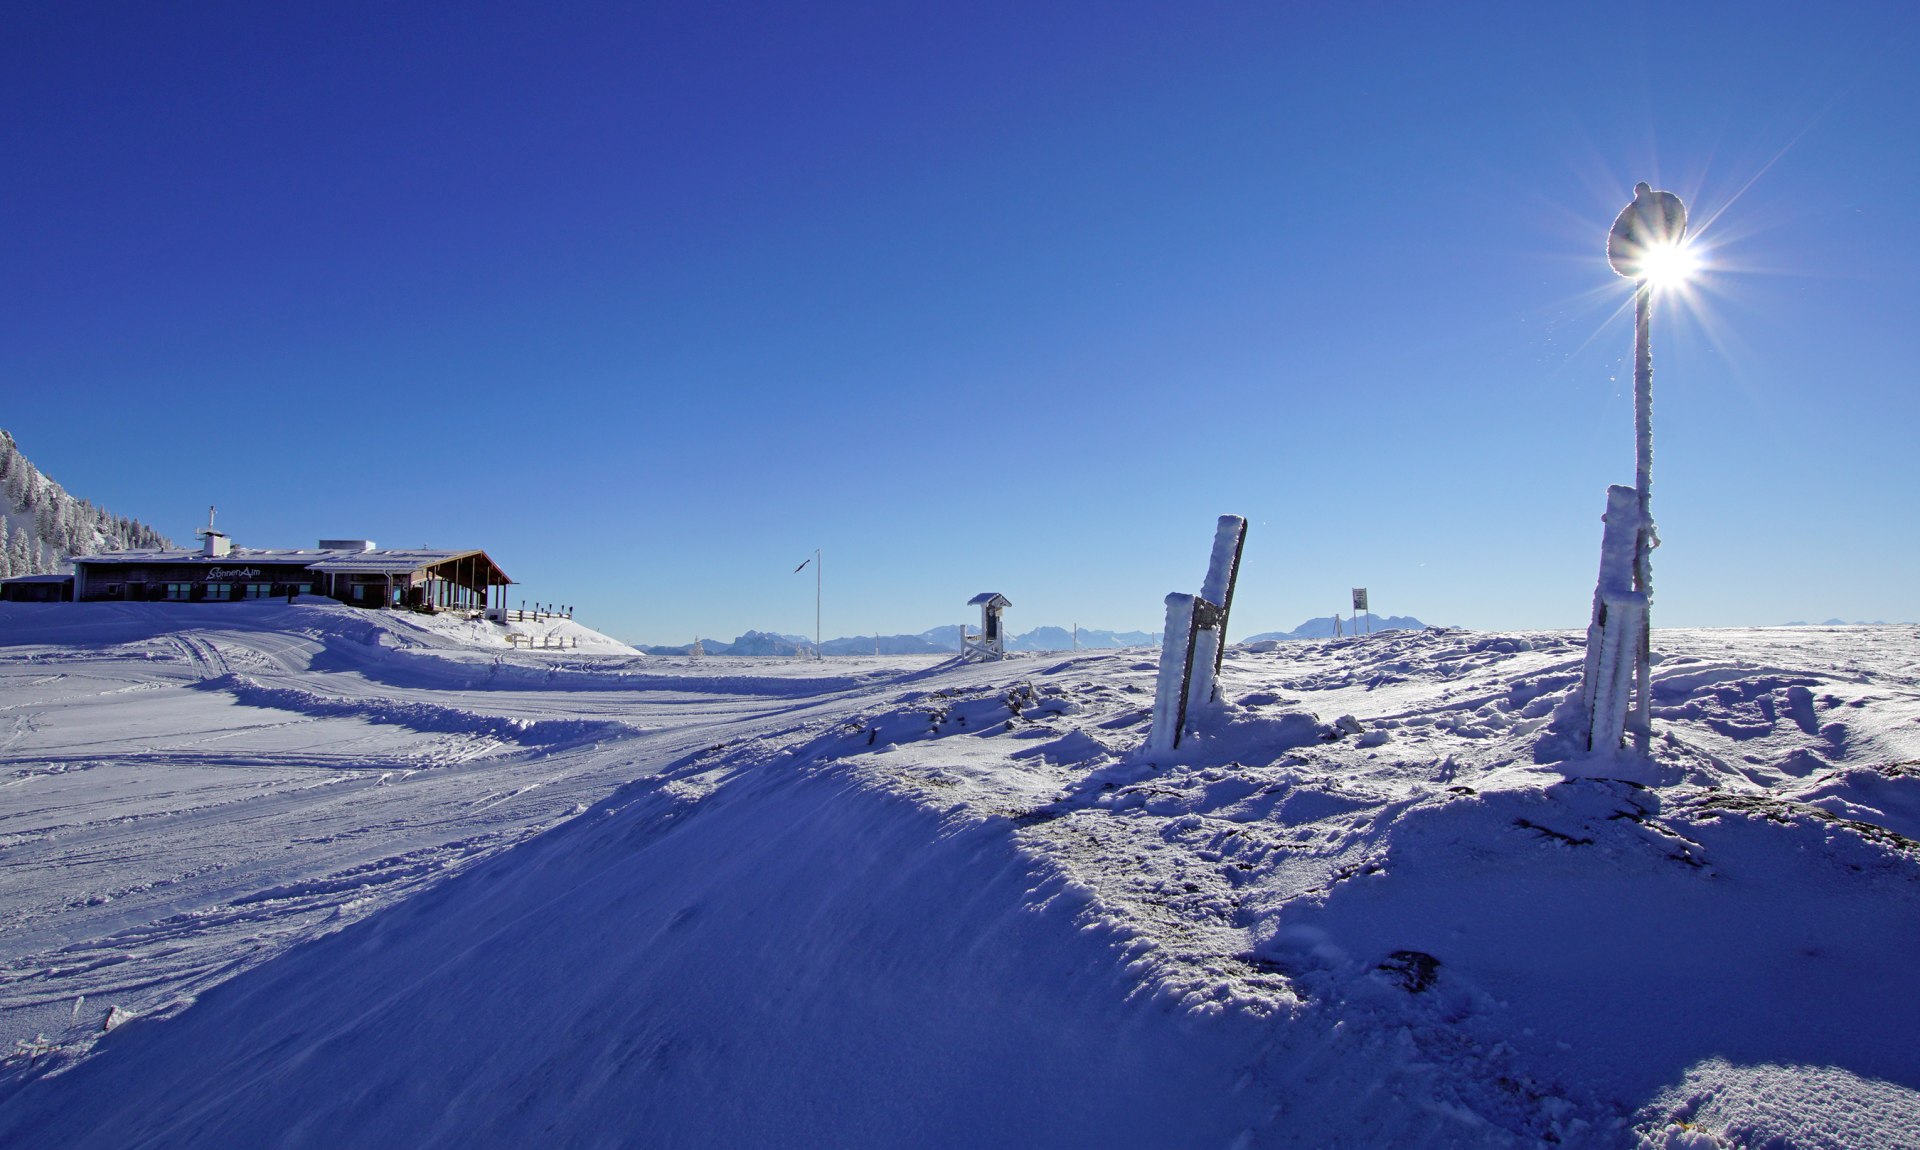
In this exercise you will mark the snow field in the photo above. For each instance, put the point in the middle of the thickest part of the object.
(957, 905)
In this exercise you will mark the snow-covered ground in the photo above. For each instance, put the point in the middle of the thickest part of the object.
(340, 878)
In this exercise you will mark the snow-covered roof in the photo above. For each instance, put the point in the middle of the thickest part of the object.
(388, 562)
(39, 579)
(250, 554)
(988, 597)
(342, 561)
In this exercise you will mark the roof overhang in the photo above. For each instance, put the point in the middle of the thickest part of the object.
(410, 563)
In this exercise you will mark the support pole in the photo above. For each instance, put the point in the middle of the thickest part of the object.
(1645, 540)
(1176, 667)
(1195, 639)
(1210, 640)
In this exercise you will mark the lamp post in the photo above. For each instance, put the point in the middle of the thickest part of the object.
(1645, 247)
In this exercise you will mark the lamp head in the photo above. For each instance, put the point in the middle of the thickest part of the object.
(1647, 241)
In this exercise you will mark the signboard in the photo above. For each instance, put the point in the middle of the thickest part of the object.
(1359, 598)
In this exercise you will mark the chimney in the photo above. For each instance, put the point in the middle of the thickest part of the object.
(214, 545)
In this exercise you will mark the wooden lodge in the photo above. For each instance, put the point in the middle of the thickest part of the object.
(353, 571)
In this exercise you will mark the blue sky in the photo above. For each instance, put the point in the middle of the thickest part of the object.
(651, 301)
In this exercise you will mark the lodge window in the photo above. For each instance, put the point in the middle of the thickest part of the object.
(303, 588)
(219, 591)
(257, 590)
(180, 591)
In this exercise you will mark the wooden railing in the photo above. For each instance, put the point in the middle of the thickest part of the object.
(538, 613)
(544, 642)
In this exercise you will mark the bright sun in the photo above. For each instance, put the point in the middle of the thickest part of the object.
(1669, 265)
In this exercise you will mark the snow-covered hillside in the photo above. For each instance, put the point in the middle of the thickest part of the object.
(41, 525)
(423, 892)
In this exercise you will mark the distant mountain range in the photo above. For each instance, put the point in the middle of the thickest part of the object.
(939, 640)
(1061, 639)
(946, 640)
(1323, 628)
(751, 643)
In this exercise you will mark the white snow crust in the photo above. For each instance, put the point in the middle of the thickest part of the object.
(310, 876)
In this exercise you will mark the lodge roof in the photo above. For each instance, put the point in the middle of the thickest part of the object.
(166, 555)
(377, 562)
(988, 597)
(388, 562)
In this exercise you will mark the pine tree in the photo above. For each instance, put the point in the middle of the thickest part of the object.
(19, 554)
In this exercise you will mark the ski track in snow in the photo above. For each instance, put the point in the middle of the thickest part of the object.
(229, 808)
(1420, 927)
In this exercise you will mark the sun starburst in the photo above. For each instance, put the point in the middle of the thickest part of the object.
(1670, 266)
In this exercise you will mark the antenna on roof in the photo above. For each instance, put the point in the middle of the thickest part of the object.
(213, 543)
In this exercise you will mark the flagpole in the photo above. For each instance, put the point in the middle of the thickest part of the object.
(817, 564)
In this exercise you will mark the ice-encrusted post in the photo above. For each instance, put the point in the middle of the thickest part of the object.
(1195, 639)
(1615, 637)
(1646, 245)
(1176, 665)
(1210, 636)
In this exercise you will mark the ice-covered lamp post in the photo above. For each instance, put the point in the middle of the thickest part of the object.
(1647, 247)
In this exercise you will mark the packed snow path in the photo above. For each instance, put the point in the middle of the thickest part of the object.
(902, 903)
(186, 789)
